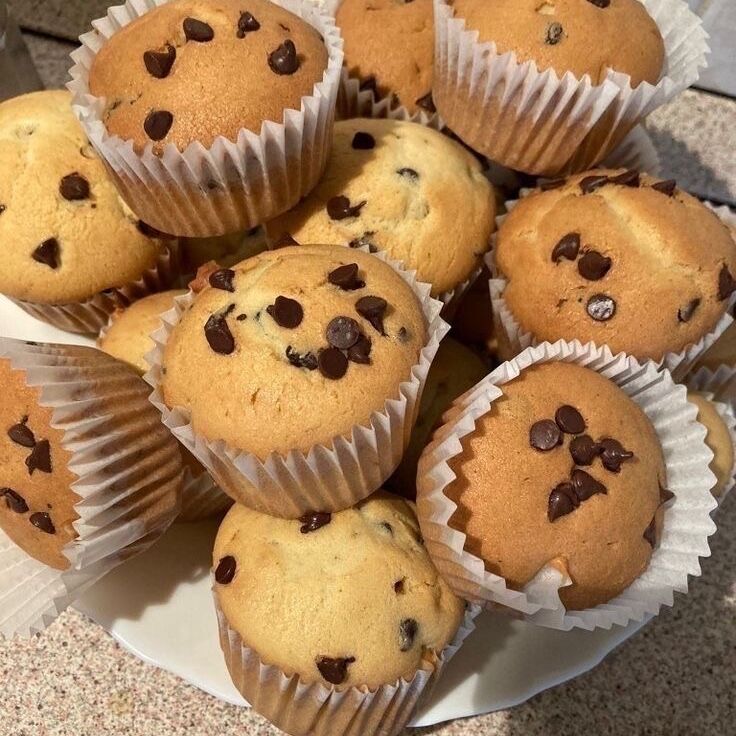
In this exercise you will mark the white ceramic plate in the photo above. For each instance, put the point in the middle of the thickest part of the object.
(159, 607)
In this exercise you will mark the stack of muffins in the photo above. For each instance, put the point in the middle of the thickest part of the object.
(286, 283)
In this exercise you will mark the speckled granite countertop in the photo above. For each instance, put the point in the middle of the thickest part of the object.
(676, 677)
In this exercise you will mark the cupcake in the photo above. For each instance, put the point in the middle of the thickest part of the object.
(399, 187)
(73, 250)
(88, 476)
(227, 250)
(618, 258)
(389, 55)
(247, 145)
(128, 338)
(369, 627)
(294, 377)
(545, 86)
(558, 487)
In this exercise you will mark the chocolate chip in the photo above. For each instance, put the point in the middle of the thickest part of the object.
(361, 351)
(74, 187)
(630, 178)
(585, 485)
(301, 360)
(197, 30)
(554, 34)
(41, 520)
(590, 183)
(14, 501)
(284, 60)
(562, 501)
(286, 312)
(223, 279)
(314, 520)
(408, 173)
(332, 363)
(600, 3)
(346, 277)
(601, 307)
(247, 24)
(613, 454)
(363, 141)
(570, 420)
(547, 185)
(40, 458)
(150, 232)
(407, 633)
(593, 266)
(334, 669)
(21, 434)
(568, 247)
(342, 332)
(583, 450)
(48, 253)
(427, 103)
(339, 208)
(387, 527)
(726, 283)
(399, 586)
(403, 335)
(2, 208)
(665, 495)
(159, 63)
(369, 83)
(218, 334)
(544, 435)
(157, 124)
(373, 308)
(685, 314)
(226, 569)
(284, 241)
(285, 28)
(665, 187)
(364, 241)
(650, 533)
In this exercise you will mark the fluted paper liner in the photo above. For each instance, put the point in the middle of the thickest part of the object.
(687, 521)
(120, 514)
(314, 709)
(542, 123)
(201, 497)
(232, 185)
(327, 477)
(88, 317)
(635, 152)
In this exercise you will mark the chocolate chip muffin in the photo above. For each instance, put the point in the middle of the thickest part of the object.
(389, 47)
(578, 481)
(190, 71)
(618, 258)
(399, 187)
(72, 250)
(368, 607)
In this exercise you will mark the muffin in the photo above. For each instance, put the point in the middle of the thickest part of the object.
(399, 187)
(227, 250)
(294, 376)
(389, 51)
(618, 258)
(369, 615)
(231, 161)
(73, 250)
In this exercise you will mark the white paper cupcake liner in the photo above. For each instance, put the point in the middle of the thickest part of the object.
(719, 387)
(90, 316)
(687, 522)
(121, 513)
(232, 185)
(314, 709)
(327, 477)
(201, 497)
(539, 122)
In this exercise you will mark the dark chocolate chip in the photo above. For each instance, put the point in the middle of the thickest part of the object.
(562, 501)
(427, 103)
(629, 178)
(218, 334)
(157, 124)
(585, 485)
(544, 435)
(650, 533)
(314, 520)
(2, 208)
(547, 185)
(284, 60)
(590, 183)
(159, 63)
(226, 570)
(334, 669)
(74, 187)
(685, 314)
(601, 307)
(363, 241)
(346, 277)
(332, 363)
(570, 420)
(554, 34)
(667, 187)
(40, 458)
(361, 351)
(284, 241)
(339, 208)
(342, 332)
(613, 454)
(284, 28)
(403, 335)
(223, 279)
(373, 308)
(150, 232)
(408, 173)
(369, 83)
(14, 501)
(387, 527)
(408, 629)
(583, 450)
(726, 283)
(593, 266)
(600, 3)
(399, 587)
(247, 24)
(665, 495)
(363, 141)
(48, 253)
(305, 360)
(21, 434)
(197, 30)
(286, 312)
(41, 520)
(568, 247)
